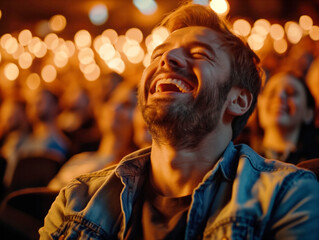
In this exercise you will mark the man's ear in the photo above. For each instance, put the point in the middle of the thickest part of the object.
(240, 100)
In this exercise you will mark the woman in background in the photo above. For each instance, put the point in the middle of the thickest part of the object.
(286, 111)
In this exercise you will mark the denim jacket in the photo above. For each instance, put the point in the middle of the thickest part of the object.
(243, 197)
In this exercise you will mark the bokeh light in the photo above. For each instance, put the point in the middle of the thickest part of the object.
(134, 34)
(106, 51)
(11, 45)
(25, 37)
(280, 46)
(147, 7)
(57, 23)
(305, 22)
(11, 71)
(277, 32)
(48, 73)
(86, 55)
(294, 32)
(82, 39)
(92, 72)
(25, 60)
(242, 27)
(255, 41)
(33, 81)
(110, 34)
(98, 14)
(52, 41)
(221, 7)
(60, 59)
(314, 33)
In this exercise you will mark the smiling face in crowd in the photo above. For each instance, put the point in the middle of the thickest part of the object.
(184, 88)
(283, 103)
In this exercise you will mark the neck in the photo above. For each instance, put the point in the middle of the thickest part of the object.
(177, 172)
(280, 140)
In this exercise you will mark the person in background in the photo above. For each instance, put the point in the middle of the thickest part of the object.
(15, 129)
(193, 183)
(115, 121)
(286, 111)
(77, 120)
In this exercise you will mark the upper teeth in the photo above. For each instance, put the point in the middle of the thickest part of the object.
(178, 83)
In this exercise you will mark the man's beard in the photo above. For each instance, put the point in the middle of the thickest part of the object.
(185, 124)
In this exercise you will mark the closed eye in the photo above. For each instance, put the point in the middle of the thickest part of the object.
(199, 55)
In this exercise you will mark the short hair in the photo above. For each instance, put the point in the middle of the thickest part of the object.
(245, 70)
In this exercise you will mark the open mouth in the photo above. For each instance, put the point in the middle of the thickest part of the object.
(171, 85)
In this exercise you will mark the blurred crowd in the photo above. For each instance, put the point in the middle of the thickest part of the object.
(85, 126)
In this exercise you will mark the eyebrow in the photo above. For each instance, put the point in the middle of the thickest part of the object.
(190, 45)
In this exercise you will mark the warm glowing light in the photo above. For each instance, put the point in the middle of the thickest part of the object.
(33, 81)
(106, 51)
(261, 27)
(158, 36)
(18, 52)
(60, 59)
(121, 40)
(136, 58)
(117, 65)
(57, 23)
(255, 41)
(147, 7)
(82, 39)
(134, 34)
(131, 48)
(277, 32)
(25, 37)
(51, 40)
(71, 48)
(99, 41)
(221, 7)
(98, 14)
(242, 27)
(25, 60)
(32, 44)
(4, 39)
(294, 32)
(110, 34)
(314, 33)
(147, 60)
(0, 14)
(305, 22)
(86, 55)
(11, 71)
(11, 45)
(92, 72)
(280, 46)
(48, 73)
(0, 57)
(40, 49)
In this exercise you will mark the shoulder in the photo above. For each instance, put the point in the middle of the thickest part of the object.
(273, 169)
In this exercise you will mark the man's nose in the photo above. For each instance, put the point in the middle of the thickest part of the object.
(173, 59)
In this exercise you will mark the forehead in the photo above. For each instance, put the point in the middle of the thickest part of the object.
(194, 34)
